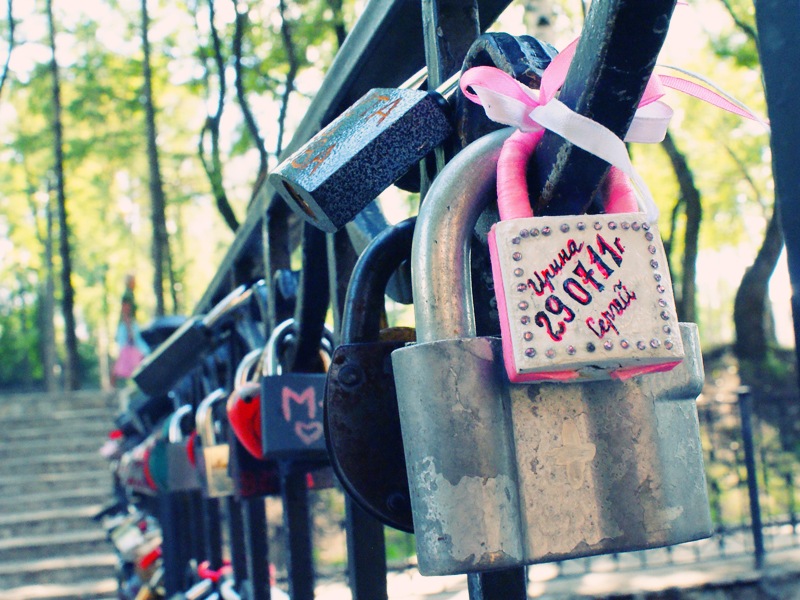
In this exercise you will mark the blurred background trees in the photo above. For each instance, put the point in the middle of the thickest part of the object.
(171, 112)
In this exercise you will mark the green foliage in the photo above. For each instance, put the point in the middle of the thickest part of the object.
(19, 336)
(107, 178)
(399, 547)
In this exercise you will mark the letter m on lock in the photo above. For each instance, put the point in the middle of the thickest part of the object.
(307, 397)
(291, 411)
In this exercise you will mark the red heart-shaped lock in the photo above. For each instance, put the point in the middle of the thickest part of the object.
(244, 416)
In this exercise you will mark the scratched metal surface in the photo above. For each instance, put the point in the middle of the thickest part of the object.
(482, 510)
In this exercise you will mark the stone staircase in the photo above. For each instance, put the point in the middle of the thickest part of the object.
(52, 482)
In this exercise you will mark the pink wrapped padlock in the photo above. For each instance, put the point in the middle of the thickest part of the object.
(583, 296)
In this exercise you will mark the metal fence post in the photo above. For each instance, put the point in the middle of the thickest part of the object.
(746, 412)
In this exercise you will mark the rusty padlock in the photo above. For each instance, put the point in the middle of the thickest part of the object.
(360, 400)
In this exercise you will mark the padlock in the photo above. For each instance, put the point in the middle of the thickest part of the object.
(361, 417)
(168, 462)
(141, 411)
(291, 405)
(181, 473)
(579, 297)
(133, 469)
(202, 590)
(252, 475)
(173, 359)
(343, 168)
(503, 475)
(215, 479)
(128, 536)
(244, 404)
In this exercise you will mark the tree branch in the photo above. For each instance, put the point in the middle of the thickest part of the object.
(241, 96)
(338, 21)
(694, 215)
(746, 28)
(291, 59)
(748, 178)
(11, 43)
(213, 164)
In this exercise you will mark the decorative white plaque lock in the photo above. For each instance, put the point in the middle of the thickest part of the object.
(583, 296)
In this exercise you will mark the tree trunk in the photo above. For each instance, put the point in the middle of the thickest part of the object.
(158, 201)
(71, 366)
(777, 31)
(47, 306)
(338, 21)
(690, 197)
(752, 316)
(293, 64)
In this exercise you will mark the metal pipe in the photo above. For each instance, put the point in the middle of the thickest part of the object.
(746, 412)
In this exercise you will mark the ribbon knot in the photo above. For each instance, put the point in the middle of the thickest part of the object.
(509, 102)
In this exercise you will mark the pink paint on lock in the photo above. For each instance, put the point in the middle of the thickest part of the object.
(509, 102)
(514, 203)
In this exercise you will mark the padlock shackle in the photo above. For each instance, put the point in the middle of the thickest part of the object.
(364, 301)
(227, 305)
(199, 590)
(204, 417)
(243, 371)
(228, 591)
(443, 305)
(174, 432)
(271, 365)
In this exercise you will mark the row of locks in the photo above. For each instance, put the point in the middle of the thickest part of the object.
(574, 433)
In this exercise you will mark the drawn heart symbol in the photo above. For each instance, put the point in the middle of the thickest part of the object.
(308, 432)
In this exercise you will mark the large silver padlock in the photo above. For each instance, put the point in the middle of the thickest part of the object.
(502, 474)
(215, 478)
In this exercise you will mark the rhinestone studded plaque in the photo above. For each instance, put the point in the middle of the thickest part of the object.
(585, 296)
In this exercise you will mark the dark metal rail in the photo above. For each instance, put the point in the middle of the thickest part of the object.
(607, 79)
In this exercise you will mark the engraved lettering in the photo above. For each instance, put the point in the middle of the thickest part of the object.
(307, 397)
(617, 306)
(384, 110)
(587, 277)
(577, 292)
(545, 276)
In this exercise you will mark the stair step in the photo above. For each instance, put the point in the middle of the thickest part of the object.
(59, 414)
(53, 481)
(61, 462)
(48, 521)
(43, 446)
(44, 429)
(93, 590)
(66, 570)
(18, 404)
(26, 483)
(76, 496)
(74, 543)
